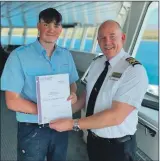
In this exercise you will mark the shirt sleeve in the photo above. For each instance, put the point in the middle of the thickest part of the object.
(12, 77)
(73, 75)
(133, 86)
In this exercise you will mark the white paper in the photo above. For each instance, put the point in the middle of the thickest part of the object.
(52, 94)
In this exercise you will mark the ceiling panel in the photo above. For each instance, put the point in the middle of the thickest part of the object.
(84, 13)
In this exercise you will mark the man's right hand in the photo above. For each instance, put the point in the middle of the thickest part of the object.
(73, 98)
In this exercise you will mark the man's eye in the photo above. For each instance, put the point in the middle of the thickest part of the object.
(57, 26)
(46, 24)
(102, 38)
(112, 37)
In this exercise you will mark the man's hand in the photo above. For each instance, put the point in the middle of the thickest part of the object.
(61, 124)
(73, 98)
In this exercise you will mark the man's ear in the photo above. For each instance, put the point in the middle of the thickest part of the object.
(38, 28)
(38, 25)
(123, 38)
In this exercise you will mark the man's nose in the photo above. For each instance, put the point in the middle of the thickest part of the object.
(51, 27)
(107, 40)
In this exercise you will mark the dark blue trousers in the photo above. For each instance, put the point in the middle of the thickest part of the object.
(36, 142)
(105, 150)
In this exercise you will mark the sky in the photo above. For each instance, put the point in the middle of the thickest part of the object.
(152, 22)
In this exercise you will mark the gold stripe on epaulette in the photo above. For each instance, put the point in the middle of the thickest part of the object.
(132, 61)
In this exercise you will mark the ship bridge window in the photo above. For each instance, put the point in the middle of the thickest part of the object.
(68, 37)
(98, 49)
(146, 51)
(4, 36)
(61, 37)
(77, 38)
(31, 35)
(17, 36)
(89, 38)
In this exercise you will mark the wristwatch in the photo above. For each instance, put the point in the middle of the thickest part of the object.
(76, 126)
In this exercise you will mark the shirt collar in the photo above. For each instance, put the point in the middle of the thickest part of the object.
(41, 49)
(116, 58)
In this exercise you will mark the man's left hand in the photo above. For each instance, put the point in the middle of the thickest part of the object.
(61, 124)
(73, 98)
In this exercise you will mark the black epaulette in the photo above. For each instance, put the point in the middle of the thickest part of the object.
(98, 57)
(132, 61)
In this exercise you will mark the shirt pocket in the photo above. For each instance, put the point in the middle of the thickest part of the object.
(64, 68)
(31, 75)
(109, 90)
(113, 84)
(36, 72)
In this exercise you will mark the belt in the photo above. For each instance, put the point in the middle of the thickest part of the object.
(110, 140)
(33, 124)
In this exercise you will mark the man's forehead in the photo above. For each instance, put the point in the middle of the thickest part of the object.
(109, 30)
(53, 21)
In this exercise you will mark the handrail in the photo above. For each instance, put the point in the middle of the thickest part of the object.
(153, 130)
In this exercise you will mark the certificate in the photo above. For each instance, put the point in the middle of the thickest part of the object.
(52, 93)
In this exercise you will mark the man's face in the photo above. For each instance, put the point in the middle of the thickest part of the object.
(49, 32)
(110, 39)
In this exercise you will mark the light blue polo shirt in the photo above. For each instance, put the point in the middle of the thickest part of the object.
(27, 62)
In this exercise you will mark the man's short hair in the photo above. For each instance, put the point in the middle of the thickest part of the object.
(50, 15)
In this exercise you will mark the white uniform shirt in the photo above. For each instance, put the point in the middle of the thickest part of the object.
(129, 88)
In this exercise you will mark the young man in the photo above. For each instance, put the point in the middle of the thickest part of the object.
(43, 57)
(111, 98)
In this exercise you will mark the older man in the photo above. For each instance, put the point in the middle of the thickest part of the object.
(116, 84)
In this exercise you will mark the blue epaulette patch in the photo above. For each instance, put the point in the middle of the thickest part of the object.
(98, 57)
(132, 61)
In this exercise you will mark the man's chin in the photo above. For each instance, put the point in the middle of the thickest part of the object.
(109, 54)
(50, 41)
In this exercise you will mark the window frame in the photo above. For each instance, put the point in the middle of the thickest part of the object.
(146, 102)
